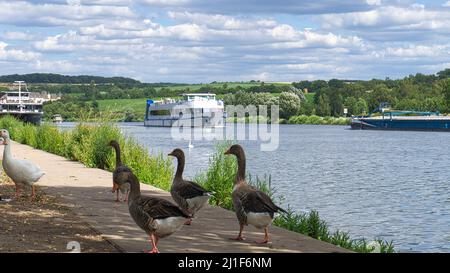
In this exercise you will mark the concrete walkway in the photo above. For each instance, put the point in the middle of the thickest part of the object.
(89, 190)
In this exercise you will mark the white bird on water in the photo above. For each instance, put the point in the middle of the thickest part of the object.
(190, 145)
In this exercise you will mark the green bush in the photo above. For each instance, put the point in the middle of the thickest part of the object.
(316, 120)
(311, 225)
(220, 176)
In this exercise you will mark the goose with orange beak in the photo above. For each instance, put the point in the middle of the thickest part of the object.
(189, 195)
(252, 206)
(22, 172)
(120, 175)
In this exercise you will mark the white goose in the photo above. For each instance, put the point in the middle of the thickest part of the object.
(22, 172)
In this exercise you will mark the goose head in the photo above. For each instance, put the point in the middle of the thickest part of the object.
(113, 143)
(4, 137)
(235, 149)
(178, 153)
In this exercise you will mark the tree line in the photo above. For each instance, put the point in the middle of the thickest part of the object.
(326, 98)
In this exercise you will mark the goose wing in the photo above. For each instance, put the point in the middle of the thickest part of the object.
(123, 168)
(190, 189)
(158, 208)
(257, 201)
(26, 170)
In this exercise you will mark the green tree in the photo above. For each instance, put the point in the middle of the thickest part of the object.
(323, 106)
(350, 103)
(360, 107)
(289, 104)
(380, 94)
(447, 94)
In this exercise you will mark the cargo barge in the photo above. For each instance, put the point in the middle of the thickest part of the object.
(386, 119)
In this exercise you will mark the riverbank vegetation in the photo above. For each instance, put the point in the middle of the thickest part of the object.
(88, 145)
(316, 120)
(319, 97)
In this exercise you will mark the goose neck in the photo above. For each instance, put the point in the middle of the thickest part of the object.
(118, 157)
(180, 167)
(240, 176)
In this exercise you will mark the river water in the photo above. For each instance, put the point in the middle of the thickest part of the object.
(393, 185)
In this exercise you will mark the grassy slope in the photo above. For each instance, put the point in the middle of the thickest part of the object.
(138, 105)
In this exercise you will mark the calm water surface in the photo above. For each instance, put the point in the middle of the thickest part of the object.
(389, 184)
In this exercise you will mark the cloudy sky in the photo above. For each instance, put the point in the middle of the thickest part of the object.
(225, 40)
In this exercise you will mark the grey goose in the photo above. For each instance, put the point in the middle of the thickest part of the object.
(251, 205)
(158, 217)
(189, 195)
(120, 174)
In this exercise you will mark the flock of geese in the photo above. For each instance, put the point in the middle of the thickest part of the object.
(158, 217)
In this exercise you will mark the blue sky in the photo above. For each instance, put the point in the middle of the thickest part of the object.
(225, 40)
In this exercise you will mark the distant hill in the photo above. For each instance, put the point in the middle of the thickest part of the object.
(63, 79)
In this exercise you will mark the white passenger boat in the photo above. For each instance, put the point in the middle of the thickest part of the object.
(20, 104)
(194, 110)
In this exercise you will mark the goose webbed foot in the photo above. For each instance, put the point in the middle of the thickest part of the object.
(154, 250)
(239, 237)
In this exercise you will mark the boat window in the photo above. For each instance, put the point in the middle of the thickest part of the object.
(160, 112)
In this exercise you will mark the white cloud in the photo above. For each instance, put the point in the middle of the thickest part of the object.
(374, 2)
(17, 35)
(7, 54)
(24, 13)
(60, 66)
(220, 21)
(414, 17)
(201, 41)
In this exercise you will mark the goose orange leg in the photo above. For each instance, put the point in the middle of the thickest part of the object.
(17, 195)
(33, 193)
(154, 242)
(239, 237)
(115, 188)
(266, 237)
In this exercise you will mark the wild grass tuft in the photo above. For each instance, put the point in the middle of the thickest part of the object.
(220, 176)
(316, 120)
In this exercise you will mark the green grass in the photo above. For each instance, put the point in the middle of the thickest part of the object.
(310, 97)
(88, 145)
(316, 120)
(123, 105)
